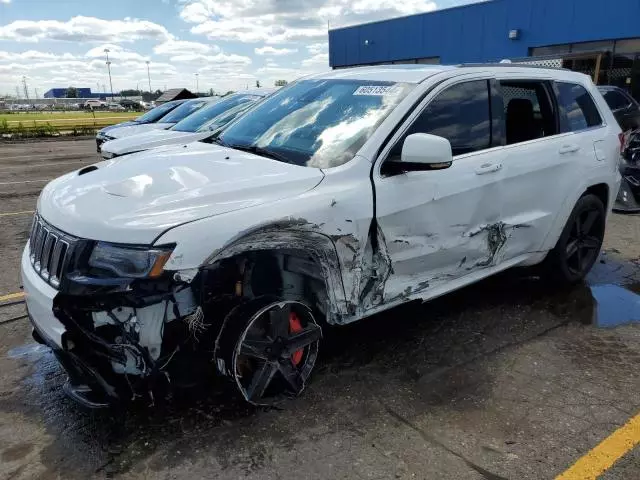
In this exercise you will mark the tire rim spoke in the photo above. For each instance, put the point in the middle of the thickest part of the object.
(579, 258)
(591, 243)
(261, 381)
(292, 376)
(304, 338)
(255, 348)
(592, 216)
(572, 248)
(578, 227)
(279, 322)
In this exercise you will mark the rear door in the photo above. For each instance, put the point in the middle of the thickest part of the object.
(548, 147)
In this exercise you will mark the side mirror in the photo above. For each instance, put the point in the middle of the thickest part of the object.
(420, 152)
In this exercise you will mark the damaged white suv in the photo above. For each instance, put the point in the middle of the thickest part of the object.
(340, 196)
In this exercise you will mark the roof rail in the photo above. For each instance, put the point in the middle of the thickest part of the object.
(511, 65)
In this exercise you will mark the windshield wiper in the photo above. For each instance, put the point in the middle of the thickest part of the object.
(265, 152)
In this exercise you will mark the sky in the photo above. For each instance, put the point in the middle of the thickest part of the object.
(229, 44)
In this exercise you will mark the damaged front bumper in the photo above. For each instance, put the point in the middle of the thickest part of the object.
(117, 340)
(628, 198)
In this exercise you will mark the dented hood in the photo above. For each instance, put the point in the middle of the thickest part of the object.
(135, 199)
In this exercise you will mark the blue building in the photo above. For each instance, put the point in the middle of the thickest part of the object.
(81, 93)
(599, 38)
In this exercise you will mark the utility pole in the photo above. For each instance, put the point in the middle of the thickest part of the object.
(106, 51)
(36, 90)
(17, 91)
(197, 85)
(149, 76)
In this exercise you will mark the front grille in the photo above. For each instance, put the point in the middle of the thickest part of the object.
(49, 251)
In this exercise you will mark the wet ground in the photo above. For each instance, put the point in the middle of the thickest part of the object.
(508, 378)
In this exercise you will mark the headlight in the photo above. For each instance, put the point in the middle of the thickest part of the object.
(107, 155)
(130, 261)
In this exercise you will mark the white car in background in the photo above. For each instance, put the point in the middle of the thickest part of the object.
(197, 126)
(116, 107)
(152, 116)
(94, 104)
(168, 121)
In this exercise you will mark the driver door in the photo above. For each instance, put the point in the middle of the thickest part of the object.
(444, 224)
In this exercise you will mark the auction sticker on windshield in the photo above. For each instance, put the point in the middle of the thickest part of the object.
(377, 90)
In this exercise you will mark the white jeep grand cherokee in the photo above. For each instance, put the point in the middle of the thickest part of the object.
(342, 195)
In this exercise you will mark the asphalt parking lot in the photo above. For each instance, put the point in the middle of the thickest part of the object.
(507, 379)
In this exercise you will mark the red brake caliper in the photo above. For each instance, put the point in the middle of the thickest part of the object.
(294, 327)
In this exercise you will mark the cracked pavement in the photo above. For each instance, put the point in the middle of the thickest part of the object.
(506, 379)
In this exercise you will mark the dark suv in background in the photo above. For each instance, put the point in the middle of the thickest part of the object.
(627, 113)
(624, 107)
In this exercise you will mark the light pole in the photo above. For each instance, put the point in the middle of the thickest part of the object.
(197, 86)
(149, 76)
(26, 90)
(106, 51)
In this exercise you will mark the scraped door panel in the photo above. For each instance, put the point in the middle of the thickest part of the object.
(440, 225)
(444, 224)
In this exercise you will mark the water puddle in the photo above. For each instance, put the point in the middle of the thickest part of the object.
(31, 352)
(615, 305)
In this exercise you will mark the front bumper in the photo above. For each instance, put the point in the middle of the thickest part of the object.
(84, 385)
(101, 372)
(39, 300)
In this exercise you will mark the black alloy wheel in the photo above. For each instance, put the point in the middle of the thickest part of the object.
(580, 242)
(585, 240)
(275, 351)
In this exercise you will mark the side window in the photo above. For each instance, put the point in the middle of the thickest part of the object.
(577, 109)
(615, 99)
(528, 111)
(461, 114)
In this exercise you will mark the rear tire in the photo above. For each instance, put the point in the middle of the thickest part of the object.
(579, 244)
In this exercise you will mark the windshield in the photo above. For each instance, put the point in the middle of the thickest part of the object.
(157, 113)
(184, 110)
(316, 123)
(199, 119)
(225, 118)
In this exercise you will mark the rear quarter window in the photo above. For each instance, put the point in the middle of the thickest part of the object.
(578, 111)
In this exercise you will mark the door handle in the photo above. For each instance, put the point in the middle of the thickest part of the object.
(488, 168)
(569, 149)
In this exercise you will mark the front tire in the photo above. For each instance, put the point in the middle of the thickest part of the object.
(579, 244)
(269, 347)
